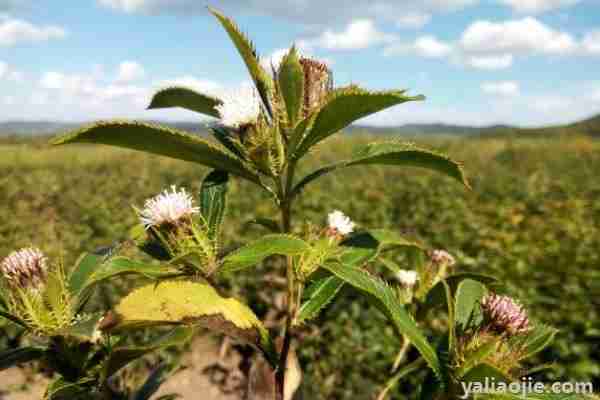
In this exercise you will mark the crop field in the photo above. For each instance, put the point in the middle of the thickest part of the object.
(532, 219)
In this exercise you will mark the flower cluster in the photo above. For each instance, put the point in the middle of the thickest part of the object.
(26, 268)
(503, 314)
(167, 208)
(239, 108)
(339, 224)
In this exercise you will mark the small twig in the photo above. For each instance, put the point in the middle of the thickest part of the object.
(401, 354)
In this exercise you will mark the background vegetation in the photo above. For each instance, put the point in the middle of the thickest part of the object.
(532, 219)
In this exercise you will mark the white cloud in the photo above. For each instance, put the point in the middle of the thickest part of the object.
(538, 6)
(201, 85)
(527, 35)
(359, 34)
(501, 88)
(425, 46)
(492, 62)
(130, 71)
(14, 31)
(10, 74)
(413, 20)
(311, 12)
(591, 42)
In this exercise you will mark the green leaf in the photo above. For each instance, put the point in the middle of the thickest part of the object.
(13, 318)
(186, 98)
(485, 371)
(158, 376)
(393, 153)
(477, 357)
(120, 356)
(437, 295)
(391, 306)
(538, 339)
(224, 137)
(319, 294)
(124, 266)
(84, 268)
(84, 329)
(61, 389)
(345, 106)
(255, 252)
(266, 223)
(468, 297)
(158, 140)
(213, 200)
(291, 85)
(262, 80)
(177, 302)
(10, 358)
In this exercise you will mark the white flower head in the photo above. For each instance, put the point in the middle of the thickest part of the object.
(240, 107)
(340, 223)
(442, 257)
(26, 268)
(407, 278)
(167, 207)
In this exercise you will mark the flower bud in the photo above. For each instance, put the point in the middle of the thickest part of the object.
(318, 82)
(442, 257)
(26, 269)
(503, 314)
(407, 278)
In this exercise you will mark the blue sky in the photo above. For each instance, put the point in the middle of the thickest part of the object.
(526, 62)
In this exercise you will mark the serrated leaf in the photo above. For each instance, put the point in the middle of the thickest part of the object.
(158, 140)
(262, 80)
(124, 266)
(392, 308)
(255, 252)
(392, 153)
(120, 356)
(468, 297)
(12, 357)
(176, 302)
(320, 294)
(186, 98)
(222, 134)
(213, 200)
(345, 106)
(538, 339)
(84, 268)
(437, 296)
(291, 85)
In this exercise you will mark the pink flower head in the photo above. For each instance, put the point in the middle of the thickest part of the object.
(504, 314)
(442, 257)
(25, 268)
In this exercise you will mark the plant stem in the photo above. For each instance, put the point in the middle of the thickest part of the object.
(286, 225)
(402, 353)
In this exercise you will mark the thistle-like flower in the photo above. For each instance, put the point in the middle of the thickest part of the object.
(442, 257)
(318, 82)
(240, 108)
(407, 278)
(339, 224)
(503, 314)
(26, 268)
(167, 208)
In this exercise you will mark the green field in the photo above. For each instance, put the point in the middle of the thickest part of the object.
(532, 219)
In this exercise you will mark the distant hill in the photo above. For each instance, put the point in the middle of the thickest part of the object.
(590, 127)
